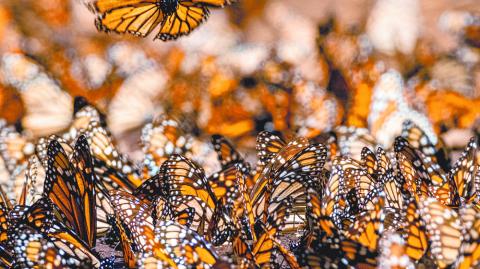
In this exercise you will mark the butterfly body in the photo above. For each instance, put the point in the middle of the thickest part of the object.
(168, 6)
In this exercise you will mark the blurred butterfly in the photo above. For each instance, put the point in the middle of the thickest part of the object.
(243, 12)
(469, 253)
(392, 252)
(36, 86)
(351, 140)
(444, 231)
(174, 18)
(160, 139)
(35, 250)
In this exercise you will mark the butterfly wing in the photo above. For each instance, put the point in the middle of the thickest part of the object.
(415, 236)
(227, 154)
(444, 231)
(187, 186)
(70, 186)
(136, 17)
(464, 171)
(187, 17)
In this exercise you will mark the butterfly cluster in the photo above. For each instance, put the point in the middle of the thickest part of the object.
(337, 200)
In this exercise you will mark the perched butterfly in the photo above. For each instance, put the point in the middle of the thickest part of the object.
(268, 145)
(165, 243)
(160, 139)
(423, 177)
(444, 231)
(42, 216)
(174, 18)
(35, 250)
(70, 185)
(114, 170)
(469, 253)
(420, 140)
(186, 186)
(136, 228)
(415, 236)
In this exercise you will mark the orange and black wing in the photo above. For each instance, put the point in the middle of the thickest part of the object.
(137, 17)
(226, 152)
(187, 187)
(187, 17)
(70, 186)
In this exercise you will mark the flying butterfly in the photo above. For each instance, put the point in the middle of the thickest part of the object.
(174, 18)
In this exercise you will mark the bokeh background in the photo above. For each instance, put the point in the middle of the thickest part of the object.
(326, 57)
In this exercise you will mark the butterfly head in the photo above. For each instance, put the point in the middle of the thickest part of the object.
(168, 6)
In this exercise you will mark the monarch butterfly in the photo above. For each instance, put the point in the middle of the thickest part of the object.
(136, 228)
(289, 187)
(444, 231)
(259, 246)
(191, 249)
(42, 216)
(224, 183)
(227, 154)
(268, 145)
(414, 232)
(83, 114)
(115, 170)
(464, 172)
(186, 186)
(340, 251)
(175, 18)
(161, 138)
(420, 140)
(70, 185)
(469, 253)
(377, 164)
(360, 230)
(261, 186)
(167, 242)
(35, 250)
(228, 157)
(423, 177)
